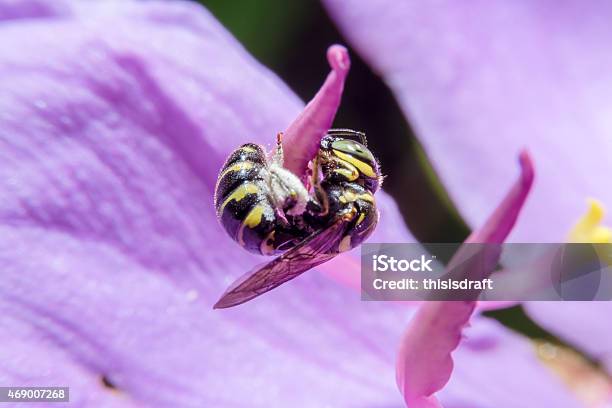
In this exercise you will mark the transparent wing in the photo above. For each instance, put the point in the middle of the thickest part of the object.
(309, 253)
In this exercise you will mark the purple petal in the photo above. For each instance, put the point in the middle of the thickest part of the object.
(582, 324)
(160, 345)
(111, 256)
(500, 223)
(534, 75)
(503, 371)
(494, 367)
(303, 136)
(110, 141)
(424, 364)
(16, 9)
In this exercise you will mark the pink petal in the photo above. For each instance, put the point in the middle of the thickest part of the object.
(301, 140)
(501, 369)
(585, 325)
(110, 255)
(114, 120)
(489, 78)
(534, 74)
(424, 364)
(500, 223)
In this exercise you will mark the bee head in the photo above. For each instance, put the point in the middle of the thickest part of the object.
(352, 160)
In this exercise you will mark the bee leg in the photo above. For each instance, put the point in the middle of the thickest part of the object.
(363, 220)
(314, 174)
(319, 203)
(342, 171)
(288, 192)
(280, 216)
(348, 215)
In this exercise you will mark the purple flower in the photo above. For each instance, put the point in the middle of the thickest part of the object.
(486, 79)
(114, 120)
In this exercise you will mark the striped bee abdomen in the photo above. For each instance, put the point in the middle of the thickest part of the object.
(244, 164)
(357, 202)
(243, 202)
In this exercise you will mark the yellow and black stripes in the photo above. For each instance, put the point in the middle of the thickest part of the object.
(343, 170)
(350, 177)
(345, 160)
(240, 197)
(244, 164)
(359, 205)
(243, 203)
(253, 196)
(359, 164)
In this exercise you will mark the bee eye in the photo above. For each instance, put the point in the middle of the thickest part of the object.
(354, 149)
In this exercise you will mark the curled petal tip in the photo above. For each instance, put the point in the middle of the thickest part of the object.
(302, 138)
(527, 167)
(501, 222)
(338, 58)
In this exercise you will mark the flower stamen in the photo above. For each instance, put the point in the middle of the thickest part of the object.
(588, 229)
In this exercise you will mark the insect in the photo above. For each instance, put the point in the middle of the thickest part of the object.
(338, 215)
(256, 199)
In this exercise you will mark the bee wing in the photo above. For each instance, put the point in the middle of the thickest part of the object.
(307, 254)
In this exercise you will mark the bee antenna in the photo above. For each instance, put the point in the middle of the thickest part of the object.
(279, 148)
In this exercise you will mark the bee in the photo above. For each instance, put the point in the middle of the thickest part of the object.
(256, 199)
(350, 177)
(339, 212)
